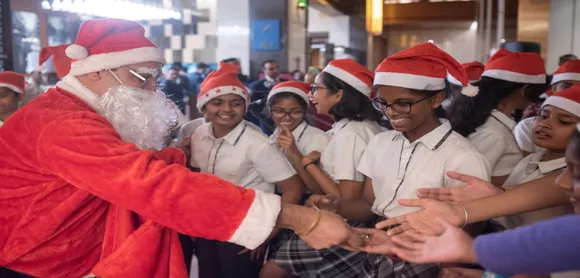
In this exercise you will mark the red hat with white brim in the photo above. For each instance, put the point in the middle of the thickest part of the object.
(298, 88)
(353, 73)
(473, 70)
(221, 82)
(422, 67)
(567, 99)
(518, 67)
(13, 81)
(109, 43)
(567, 71)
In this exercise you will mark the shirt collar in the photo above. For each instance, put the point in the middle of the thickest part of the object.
(232, 137)
(340, 124)
(547, 166)
(503, 119)
(433, 138)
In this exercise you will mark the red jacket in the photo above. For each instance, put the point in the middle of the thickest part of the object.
(69, 186)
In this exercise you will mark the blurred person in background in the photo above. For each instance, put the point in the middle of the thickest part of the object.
(196, 78)
(11, 93)
(236, 62)
(175, 87)
(260, 90)
(297, 75)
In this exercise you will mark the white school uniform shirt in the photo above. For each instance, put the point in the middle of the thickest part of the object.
(348, 141)
(187, 129)
(495, 140)
(307, 138)
(529, 169)
(398, 168)
(244, 157)
(524, 134)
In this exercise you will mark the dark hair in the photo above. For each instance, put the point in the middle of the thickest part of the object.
(230, 60)
(268, 61)
(439, 111)
(282, 95)
(575, 141)
(353, 105)
(468, 113)
(202, 65)
(567, 57)
(175, 69)
(177, 66)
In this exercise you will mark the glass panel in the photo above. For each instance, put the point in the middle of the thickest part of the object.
(62, 29)
(25, 41)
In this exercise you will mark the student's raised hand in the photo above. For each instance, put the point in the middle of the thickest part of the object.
(474, 189)
(423, 221)
(452, 246)
(325, 202)
(287, 142)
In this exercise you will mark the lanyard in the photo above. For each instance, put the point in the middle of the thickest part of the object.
(407, 166)
(218, 149)
(302, 133)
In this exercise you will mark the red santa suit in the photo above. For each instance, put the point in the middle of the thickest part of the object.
(76, 199)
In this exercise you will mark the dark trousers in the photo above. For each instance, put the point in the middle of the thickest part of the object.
(221, 260)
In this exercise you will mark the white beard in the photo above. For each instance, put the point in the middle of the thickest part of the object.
(141, 117)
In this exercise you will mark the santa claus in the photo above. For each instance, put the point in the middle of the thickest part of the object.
(87, 189)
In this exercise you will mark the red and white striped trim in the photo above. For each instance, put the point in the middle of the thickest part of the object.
(409, 81)
(289, 89)
(565, 76)
(563, 103)
(349, 78)
(205, 97)
(515, 76)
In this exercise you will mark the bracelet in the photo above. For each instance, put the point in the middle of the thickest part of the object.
(314, 224)
(309, 163)
(465, 212)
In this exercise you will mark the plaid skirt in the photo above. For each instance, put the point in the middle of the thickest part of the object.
(379, 266)
(299, 259)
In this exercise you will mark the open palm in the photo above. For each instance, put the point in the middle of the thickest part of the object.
(474, 189)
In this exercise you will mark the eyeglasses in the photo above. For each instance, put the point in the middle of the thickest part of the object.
(402, 107)
(315, 88)
(280, 113)
(143, 78)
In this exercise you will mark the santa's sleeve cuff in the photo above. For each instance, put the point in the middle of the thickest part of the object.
(259, 221)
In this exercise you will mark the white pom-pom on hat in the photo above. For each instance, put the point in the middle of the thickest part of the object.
(76, 52)
(470, 90)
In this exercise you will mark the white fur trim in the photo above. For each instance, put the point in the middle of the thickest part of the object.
(515, 76)
(259, 221)
(563, 103)
(293, 90)
(72, 85)
(470, 90)
(565, 76)
(409, 81)
(454, 80)
(205, 97)
(11, 87)
(76, 52)
(105, 61)
(349, 78)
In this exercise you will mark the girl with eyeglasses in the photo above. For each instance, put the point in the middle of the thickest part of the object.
(419, 152)
(228, 147)
(342, 91)
(510, 82)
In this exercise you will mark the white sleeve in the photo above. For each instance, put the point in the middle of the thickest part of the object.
(271, 163)
(468, 163)
(347, 154)
(317, 143)
(367, 160)
(493, 147)
(523, 133)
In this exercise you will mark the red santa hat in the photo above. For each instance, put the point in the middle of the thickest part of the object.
(110, 43)
(353, 73)
(60, 61)
(422, 67)
(298, 88)
(221, 82)
(568, 100)
(13, 81)
(568, 71)
(519, 67)
(473, 70)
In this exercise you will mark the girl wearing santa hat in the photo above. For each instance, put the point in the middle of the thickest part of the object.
(564, 77)
(229, 148)
(473, 70)
(420, 150)
(510, 82)
(11, 93)
(552, 130)
(288, 103)
(342, 91)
